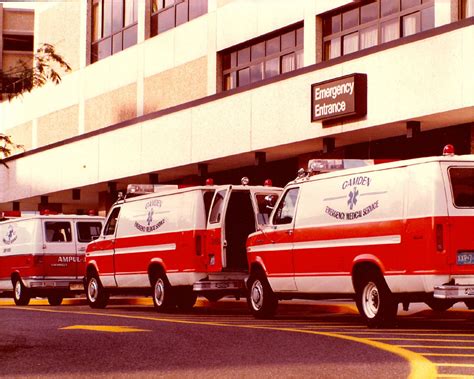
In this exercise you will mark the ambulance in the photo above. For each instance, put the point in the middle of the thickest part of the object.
(385, 234)
(177, 243)
(43, 255)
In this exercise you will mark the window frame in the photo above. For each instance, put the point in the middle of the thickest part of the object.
(173, 6)
(377, 23)
(113, 35)
(231, 66)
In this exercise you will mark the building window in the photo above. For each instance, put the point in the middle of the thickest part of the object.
(374, 23)
(18, 42)
(264, 58)
(114, 27)
(467, 8)
(167, 14)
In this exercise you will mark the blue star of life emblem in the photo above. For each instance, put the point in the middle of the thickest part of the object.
(353, 198)
(149, 219)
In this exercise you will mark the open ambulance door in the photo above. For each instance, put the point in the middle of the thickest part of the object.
(455, 236)
(215, 242)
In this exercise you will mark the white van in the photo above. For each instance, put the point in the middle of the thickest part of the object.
(44, 255)
(385, 234)
(176, 244)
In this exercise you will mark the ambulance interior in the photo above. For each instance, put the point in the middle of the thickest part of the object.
(239, 223)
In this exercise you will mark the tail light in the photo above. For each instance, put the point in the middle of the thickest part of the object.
(439, 237)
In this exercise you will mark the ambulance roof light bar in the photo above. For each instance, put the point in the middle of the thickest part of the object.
(142, 189)
(318, 166)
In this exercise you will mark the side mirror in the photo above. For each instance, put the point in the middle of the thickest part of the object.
(270, 201)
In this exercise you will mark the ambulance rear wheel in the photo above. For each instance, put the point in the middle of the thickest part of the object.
(261, 299)
(97, 296)
(185, 298)
(21, 295)
(55, 299)
(375, 302)
(163, 294)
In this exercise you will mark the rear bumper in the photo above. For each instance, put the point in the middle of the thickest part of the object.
(456, 291)
(72, 284)
(219, 285)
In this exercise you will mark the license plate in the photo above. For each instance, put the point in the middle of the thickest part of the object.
(76, 287)
(465, 258)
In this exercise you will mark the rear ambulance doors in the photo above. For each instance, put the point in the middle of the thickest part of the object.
(458, 238)
(231, 219)
(64, 245)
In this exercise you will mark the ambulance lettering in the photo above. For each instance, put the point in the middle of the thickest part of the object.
(150, 208)
(352, 198)
(11, 236)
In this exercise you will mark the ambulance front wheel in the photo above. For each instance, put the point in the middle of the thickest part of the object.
(97, 296)
(375, 302)
(261, 299)
(21, 295)
(162, 293)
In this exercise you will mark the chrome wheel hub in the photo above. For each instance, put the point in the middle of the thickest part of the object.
(159, 292)
(256, 295)
(371, 300)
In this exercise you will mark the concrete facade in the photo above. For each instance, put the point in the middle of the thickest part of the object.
(156, 107)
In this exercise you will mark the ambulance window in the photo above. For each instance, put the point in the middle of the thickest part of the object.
(286, 208)
(216, 211)
(58, 231)
(462, 184)
(109, 228)
(207, 196)
(88, 231)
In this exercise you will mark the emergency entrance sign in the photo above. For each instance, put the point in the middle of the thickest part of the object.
(339, 98)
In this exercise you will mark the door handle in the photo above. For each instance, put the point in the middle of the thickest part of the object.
(289, 232)
(82, 249)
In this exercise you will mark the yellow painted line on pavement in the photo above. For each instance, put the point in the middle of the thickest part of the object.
(456, 376)
(420, 367)
(446, 355)
(465, 365)
(105, 328)
(419, 334)
(436, 347)
(419, 339)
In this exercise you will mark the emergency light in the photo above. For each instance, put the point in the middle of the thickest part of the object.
(316, 166)
(448, 150)
(141, 189)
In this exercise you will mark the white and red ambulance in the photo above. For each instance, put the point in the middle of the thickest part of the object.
(44, 255)
(385, 234)
(177, 243)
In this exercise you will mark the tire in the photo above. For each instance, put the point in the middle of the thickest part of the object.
(375, 302)
(55, 300)
(212, 298)
(21, 295)
(439, 305)
(185, 298)
(97, 296)
(163, 298)
(469, 304)
(260, 298)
